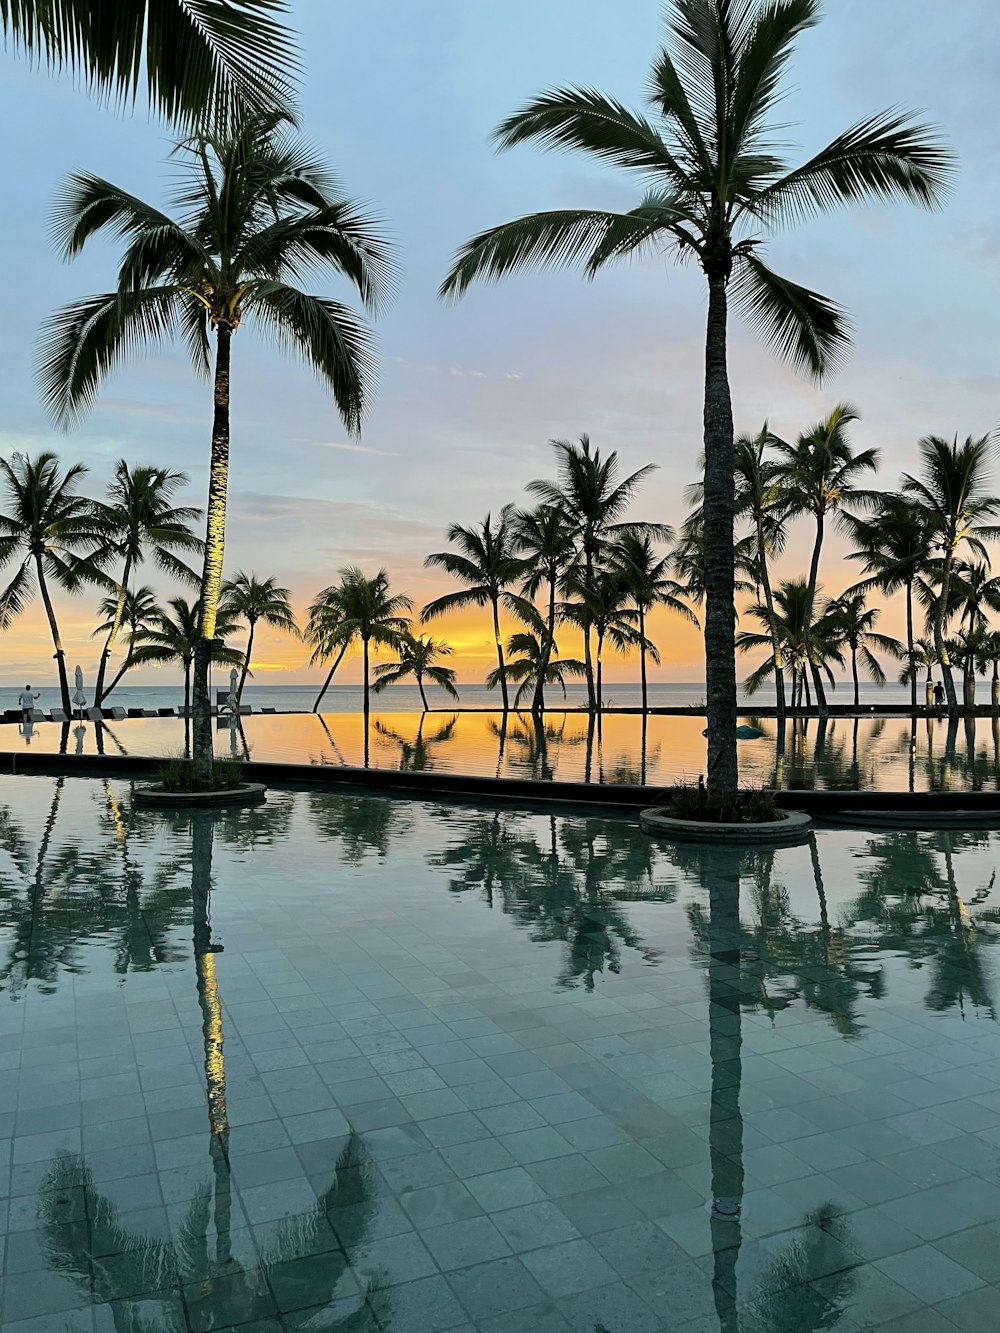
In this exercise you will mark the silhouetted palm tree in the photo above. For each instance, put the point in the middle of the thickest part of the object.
(850, 619)
(487, 562)
(138, 522)
(257, 209)
(531, 666)
(357, 608)
(139, 610)
(172, 638)
(47, 527)
(955, 494)
(418, 657)
(804, 652)
(716, 182)
(649, 585)
(250, 599)
(546, 541)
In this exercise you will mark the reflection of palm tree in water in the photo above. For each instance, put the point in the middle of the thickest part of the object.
(416, 756)
(532, 736)
(114, 1264)
(361, 824)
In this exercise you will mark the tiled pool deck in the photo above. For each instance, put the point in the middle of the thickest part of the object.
(351, 1064)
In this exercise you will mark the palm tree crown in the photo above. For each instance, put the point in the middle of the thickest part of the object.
(357, 607)
(715, 179)
(418, 657)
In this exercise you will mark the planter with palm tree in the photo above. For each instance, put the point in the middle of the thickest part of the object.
(357, 609)
(139, 521)
(716, 180)
(593, 501)
(249, 599)
(486, 560)
(417, 657)
(48, 529)
(255, 209)
(954, 493)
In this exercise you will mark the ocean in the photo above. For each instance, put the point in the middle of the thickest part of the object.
(406, 699)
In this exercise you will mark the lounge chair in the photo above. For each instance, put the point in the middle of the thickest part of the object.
(37, 715)
(147, 712)
(137, 712)
(164, 712)
(57, 715)
(268, 710)
(116, 713)
(94, 714)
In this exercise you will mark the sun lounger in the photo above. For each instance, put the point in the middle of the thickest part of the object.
(268, 710)
(94, 714)
(116, 713)
(57, 715)
(164, 712)
(37, 715)
(147, 712)
(135, 712)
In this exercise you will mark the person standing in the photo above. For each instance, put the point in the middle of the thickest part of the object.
(26, 702)
(938, 695)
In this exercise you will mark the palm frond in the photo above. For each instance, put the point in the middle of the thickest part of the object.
(806, 329)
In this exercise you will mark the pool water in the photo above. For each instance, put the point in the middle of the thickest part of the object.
(368, 1065)
(888, 753)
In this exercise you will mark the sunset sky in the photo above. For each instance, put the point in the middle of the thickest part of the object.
(402, 99)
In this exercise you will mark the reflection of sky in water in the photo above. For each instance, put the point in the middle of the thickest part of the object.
(357, 1064)
(889, 753)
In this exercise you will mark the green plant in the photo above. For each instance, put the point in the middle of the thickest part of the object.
(748, 805)
(178, 774)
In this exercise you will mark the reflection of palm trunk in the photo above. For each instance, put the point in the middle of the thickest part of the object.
(503, 742)
(589, 760)
(541, 745)
(202, 834)
(642, 749)
(913, 753)
(725, 1050)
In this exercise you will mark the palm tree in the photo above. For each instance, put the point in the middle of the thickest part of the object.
(801, 649)
(895, 546)
(852, 620)
(418, 657)
(923, 658)
(250, 599)
(819, 474)
(955, 495)
(192, 55)
(716, 180)
(531, 666)
(649, 585)
(594, 501)
(140, 521)
(761, 500)
(257, 209)
(688, 559)
(45, 526)
(601, 604)
(172, 638)
(545, 540)
(357, 608)
(487, 561)
(140, 610)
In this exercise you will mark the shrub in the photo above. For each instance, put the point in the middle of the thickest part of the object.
(178, 775)
(749, 805)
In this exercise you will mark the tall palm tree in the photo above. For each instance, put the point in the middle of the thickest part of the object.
(852, 620)
(139, 521)
(894, 545)
(192, 55)
(48, 528)
(955, 494)
(140, 610)
(358, 608)
(487, 561)
(531, 666)
(820, 473)
(256, 210)
(417, 657)
(247, 598)
(172, 638)
(594, 501)
(716, 180)
(648, 584)
(546, 541)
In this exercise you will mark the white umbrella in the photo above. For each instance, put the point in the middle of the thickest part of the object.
(231, 702)
(79, 698)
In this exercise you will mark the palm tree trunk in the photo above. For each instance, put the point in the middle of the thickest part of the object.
(125, 666)
(720, 576)
(765, 581)
(187, 708)
(588, 660)
(252, 620)
(364, 655)
(329, 677)
(600, 668)
(116, 624)
(909, 645)
(854, 674)
(60, 653)
(215, 546)
(423, 697)
(940, 643)
(810, 603)
(500, 661)
(538, 701)
(642, 658)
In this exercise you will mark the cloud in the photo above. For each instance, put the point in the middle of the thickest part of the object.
(352, 448)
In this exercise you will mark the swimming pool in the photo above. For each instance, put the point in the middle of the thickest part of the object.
(354, 1063)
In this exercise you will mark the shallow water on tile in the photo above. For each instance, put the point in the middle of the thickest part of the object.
(345, 1063)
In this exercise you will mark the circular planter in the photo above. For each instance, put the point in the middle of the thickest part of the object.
(153, 795)
(793, 826)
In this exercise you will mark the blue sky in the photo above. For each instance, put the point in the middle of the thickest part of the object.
(402, 98)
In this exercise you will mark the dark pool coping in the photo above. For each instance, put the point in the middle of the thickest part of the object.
(510, 790)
